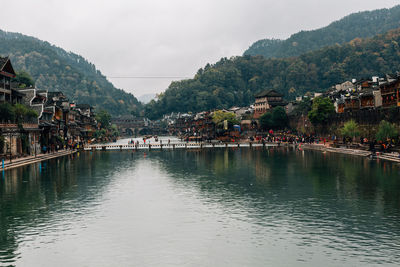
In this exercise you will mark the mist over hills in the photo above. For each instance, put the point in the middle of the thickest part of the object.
(55, 69)
(146, 98)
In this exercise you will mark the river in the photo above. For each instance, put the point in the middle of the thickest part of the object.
(211, 207)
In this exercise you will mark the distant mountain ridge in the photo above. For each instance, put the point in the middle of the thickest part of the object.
(55, 69)
(361, 25)
(235, 81)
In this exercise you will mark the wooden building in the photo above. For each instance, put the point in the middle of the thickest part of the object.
(390, 93)
(339, 105)
(267, 100)
(351, 103)
(367, 99)
(6, 74)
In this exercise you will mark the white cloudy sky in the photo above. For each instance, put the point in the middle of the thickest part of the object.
(167, 37)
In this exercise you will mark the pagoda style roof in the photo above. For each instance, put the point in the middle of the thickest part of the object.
(269, 92)
(6, 68)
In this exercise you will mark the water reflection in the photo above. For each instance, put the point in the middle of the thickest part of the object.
(278, 206)
(348, 204)
(43, 197)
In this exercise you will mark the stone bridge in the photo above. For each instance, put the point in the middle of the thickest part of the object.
(132, 126)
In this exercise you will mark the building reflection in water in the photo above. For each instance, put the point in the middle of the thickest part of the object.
(35, 195)
(311, 191)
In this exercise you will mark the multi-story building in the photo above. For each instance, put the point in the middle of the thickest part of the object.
(6, 74)
(390, 92)
(267, 100)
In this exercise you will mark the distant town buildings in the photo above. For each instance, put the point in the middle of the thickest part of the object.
(59, 122)
(371, 93)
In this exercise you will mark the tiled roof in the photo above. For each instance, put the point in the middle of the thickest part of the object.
(3, 61)
(270, 92)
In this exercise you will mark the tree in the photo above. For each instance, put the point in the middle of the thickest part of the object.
(23, 113)
(279, 117)
(321, 109)
(19, 111)
(24, 79)
(303, 107)
(219, 116)
(350, 129)
(114, 130)
(100, 133)
(266, 121)
(276, 119)
(6, 112)
(292, 90)
(104, 118)
(386, 131)
(31, 114)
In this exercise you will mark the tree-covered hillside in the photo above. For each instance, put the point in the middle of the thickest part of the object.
(361, 25)
(55, 69)
(235, 81)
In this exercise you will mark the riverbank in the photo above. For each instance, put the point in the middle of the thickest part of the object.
(394, 157)
(162, 143)
(342, 150)
(19, 162)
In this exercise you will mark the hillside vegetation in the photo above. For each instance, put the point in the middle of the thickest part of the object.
(361, 25)
(55, 69)
(235, 81)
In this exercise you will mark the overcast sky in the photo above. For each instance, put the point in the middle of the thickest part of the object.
(153, 38)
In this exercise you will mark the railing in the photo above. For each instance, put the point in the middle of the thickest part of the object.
(25, 121)
(189, 145)
(15, 125)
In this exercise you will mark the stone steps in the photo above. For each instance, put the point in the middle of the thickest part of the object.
(29, 160)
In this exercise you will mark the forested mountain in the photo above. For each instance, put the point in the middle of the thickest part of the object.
(235, 81)
(361, 25)
(55, 69)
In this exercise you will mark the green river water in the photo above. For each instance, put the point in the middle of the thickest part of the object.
(211, 207)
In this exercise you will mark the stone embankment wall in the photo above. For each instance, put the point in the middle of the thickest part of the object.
(367, 119)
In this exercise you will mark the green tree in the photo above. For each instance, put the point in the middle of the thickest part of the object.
(266, 121)
(303, 107)
(219, 116)
(279, 118)
(24, 79)
(100, 133)
(104, 118)
(386, 131)
(114, 130)
(321, 109)
(6, 112)
(350, 129)
(31, 114)
(19, 111)
(23, 113)
(276, 119)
